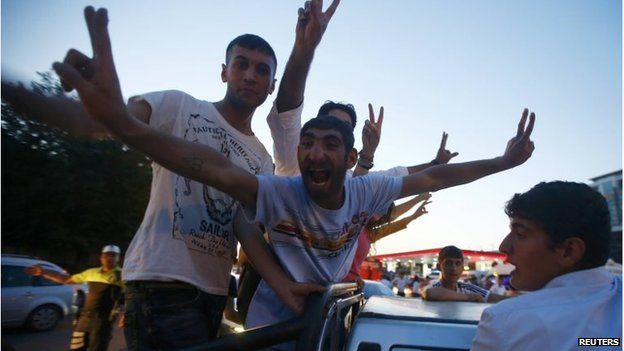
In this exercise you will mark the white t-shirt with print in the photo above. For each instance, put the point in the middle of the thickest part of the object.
(313, 244)
(186, 233)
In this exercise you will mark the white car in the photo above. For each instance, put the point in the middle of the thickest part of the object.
(35, 302)
(394, 323)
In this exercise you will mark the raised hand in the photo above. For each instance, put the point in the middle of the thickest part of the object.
(520, 148)
(35, 270)
(371, 133)
(312, 22)
(95, 79)
(295, 294)
(444, 156)
(422, 197)
(421, 210)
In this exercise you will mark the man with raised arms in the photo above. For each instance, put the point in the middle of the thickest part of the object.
(182, 252)
(313, 219)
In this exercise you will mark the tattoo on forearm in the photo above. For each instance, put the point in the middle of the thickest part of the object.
(194, 163)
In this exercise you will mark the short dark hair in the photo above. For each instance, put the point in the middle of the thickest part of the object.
(251, 42)
(565, 210)
(450, 252)
(347, 108)
(331, 122)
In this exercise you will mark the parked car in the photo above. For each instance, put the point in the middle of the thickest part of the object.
(34, 302)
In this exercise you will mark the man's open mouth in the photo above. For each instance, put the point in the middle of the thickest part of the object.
(318, 176)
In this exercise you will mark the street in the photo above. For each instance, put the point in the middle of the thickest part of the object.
(56, 339)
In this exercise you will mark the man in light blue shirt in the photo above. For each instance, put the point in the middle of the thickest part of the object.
(559, 242)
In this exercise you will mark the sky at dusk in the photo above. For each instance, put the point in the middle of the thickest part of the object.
(464, 67)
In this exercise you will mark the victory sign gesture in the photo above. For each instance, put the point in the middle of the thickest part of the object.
(444, 156)
(520, 147)
(312, 22)
(95, 79)
(371, 133)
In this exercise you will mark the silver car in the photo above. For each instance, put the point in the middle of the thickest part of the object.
(35, 302)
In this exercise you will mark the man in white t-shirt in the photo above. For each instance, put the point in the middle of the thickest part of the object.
(178, 264)
(313, 220)
(399, 282)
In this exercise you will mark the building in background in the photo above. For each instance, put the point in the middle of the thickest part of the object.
(610, 186)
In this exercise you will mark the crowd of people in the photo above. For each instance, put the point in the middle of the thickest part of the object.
(303, 218)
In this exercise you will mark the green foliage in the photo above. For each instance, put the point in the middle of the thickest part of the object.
(67, 195)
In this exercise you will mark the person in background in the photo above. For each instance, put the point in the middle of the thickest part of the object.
(94, 327)
(384, 226)
(385, 280)
(416, 286)
(449, 288)
(498, 287)
(399, 283)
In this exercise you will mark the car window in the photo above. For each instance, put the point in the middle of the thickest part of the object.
(41, 281)
(14, 276)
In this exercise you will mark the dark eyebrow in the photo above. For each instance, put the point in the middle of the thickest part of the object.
(332, 138)
(308, 134)
(240, 57)
(518, 225)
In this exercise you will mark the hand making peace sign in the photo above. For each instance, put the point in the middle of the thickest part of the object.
(371, 133)
(520, 147)
(313, 22)
(95, 79)
(444, 156)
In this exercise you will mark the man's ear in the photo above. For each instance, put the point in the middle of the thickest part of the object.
(572, 252)
(223, 73)
(272, 88)
(352, 158)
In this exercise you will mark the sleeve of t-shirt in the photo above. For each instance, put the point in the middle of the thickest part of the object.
(165, 106)
(285, 128)
(383, 189)
(398, 171)
(266, 200)
(478, 290)
(267, 166)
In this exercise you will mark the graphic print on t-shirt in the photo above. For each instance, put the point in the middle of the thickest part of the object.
(202, 214)
(331, 242)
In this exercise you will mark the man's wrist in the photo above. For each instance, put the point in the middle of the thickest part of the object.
(435, 162)
(502, 163)
(303, 51)
(365, 160)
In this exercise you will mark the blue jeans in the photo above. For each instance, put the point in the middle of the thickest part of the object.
(169, 315)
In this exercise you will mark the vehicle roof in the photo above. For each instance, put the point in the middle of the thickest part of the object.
(25, 261)
(386, 307)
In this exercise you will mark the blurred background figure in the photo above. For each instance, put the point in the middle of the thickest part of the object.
(93, 330)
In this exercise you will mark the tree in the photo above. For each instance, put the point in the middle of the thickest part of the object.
(67, 198)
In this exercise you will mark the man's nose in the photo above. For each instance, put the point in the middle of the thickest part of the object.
(249, 75)
(316, 153)
(505, 245)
